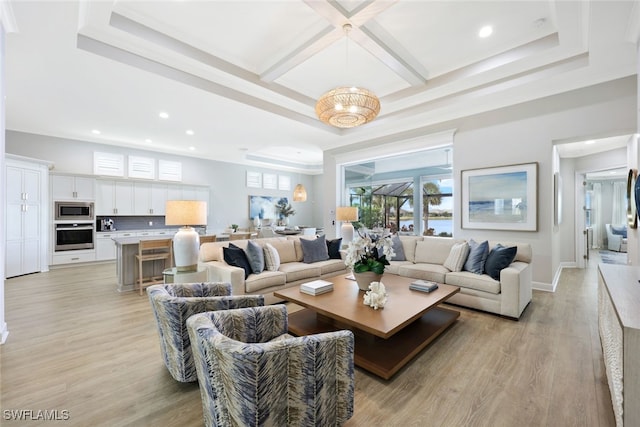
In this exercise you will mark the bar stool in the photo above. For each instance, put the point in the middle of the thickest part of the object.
(207, 239)
(153, 250)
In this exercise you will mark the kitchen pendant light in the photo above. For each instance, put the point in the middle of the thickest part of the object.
(299, 193)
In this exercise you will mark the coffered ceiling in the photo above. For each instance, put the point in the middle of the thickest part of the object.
(244, 76)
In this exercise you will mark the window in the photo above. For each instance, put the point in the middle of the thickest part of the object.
(410, 194)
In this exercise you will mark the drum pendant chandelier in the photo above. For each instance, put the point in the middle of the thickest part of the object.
(347, 107)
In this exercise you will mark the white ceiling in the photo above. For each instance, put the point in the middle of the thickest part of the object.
(244, 75)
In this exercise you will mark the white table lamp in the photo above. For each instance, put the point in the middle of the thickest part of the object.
(347, 215)
(186, 242)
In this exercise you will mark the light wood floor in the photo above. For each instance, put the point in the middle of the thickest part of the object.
(76, 344)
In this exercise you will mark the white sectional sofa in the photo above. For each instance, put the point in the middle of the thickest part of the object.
(425, 258)
(293, 270)
(508, 296)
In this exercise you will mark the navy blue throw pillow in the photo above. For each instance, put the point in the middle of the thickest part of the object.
(333, 247)
(477, 256)
(500, 257)
(236, 257)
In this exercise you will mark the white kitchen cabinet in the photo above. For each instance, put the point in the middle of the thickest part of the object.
(105, 246)
(73, 257)
(114, 197)
(128, 197)
(174, 192)
(194, 192)
(70, 187)
(169, 233)
(26, 218)
(149, 198)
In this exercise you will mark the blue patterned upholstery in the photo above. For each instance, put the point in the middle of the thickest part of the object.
(251, 374)
(174, 303)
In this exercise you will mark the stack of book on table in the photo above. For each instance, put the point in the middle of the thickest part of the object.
(423, 286)
(316, 287)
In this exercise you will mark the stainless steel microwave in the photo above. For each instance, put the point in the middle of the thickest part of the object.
(74, 211)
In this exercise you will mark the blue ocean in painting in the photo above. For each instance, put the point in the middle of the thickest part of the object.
(492, 211)
(480, 208)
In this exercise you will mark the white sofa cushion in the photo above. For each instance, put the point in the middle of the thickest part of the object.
(299, 270)
(256, 282)
(424, 271)
(433, 250)
(480, 282)
(287, 251)
(409, 246)
(394, 266)
(330, 266)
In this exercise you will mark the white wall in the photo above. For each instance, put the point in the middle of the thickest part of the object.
(523, 134)
(229, 201)
(3, 324)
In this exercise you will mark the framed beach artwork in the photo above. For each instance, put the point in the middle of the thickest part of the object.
(500, 198)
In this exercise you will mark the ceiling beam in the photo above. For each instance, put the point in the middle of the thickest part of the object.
(301, 53)
(132, 59)
(381, 46)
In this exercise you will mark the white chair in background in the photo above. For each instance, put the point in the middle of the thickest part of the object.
(309, 231)
(266, 232)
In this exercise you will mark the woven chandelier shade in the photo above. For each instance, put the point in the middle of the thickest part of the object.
(347, 107)
(299, 193)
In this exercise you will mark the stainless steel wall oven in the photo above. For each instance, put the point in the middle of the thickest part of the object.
(74, 236)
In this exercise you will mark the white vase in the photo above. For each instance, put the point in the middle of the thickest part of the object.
(364, 279)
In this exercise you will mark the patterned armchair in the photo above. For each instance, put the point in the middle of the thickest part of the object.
(252, 373)
(174, 303)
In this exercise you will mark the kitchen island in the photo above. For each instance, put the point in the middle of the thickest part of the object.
(126, 251)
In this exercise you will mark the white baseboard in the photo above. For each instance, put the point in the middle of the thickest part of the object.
(4, 333)
(545, 287)
(556, 278)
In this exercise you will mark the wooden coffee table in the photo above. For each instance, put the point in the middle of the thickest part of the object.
(385, 339)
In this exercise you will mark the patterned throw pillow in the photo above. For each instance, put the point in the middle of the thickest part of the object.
(271, 258)
(314, 250)
(457, 256)
(477, 256)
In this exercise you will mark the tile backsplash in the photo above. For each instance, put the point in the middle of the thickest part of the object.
(125, 223)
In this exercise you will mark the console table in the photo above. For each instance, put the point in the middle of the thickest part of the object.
(619, 326)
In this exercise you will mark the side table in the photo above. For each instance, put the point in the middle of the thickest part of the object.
(172, 275)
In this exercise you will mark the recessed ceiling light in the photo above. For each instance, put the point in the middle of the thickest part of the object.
(95, 132)
(189, 132)
(163, 115)
(485, 31)
(590, 142)
(192, 148)
(148, 141)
